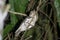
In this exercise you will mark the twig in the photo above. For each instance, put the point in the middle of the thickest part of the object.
(9, 36)
(47, 31)
(18, 13)
(55, 20)
(28, 37)
(47, 17)
(50, 13)
(40, 4)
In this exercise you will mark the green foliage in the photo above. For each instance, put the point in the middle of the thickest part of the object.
(10, 25)
(42, 30)
(57, 5)
(18, 6)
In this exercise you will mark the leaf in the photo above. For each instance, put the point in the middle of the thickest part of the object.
(11, 25)
(57, 5)
(20, 5)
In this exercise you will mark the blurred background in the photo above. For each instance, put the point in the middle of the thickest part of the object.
(47, 27)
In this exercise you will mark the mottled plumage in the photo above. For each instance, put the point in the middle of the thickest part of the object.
(28, 23)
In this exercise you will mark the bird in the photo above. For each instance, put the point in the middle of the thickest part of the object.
(28, 23)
